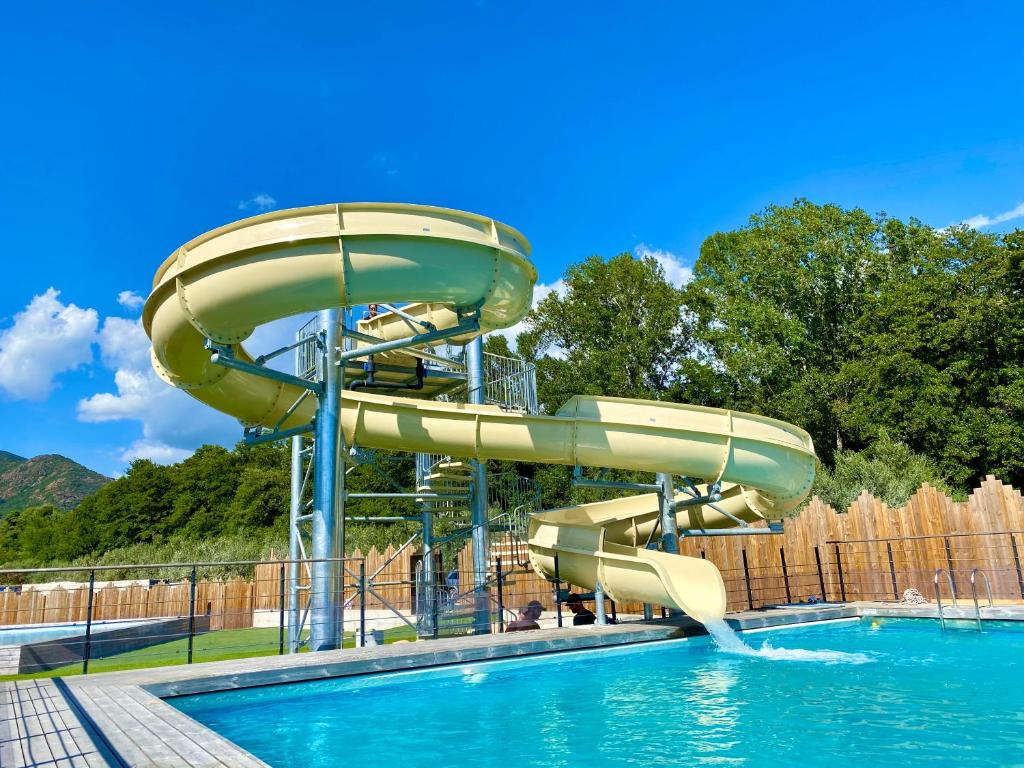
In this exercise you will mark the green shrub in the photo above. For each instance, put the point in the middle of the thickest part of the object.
(888, 469)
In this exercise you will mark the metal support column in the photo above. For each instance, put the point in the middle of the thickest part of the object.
(87, 651)
(428, 606)
(478, 496)
(599, 609)
(669, 530)
(892, 571)
(667, 498)
(328, 506)
(294, 550)
(1016, 564)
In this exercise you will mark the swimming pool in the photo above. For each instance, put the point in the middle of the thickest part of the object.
(921, 696)
(23, 635)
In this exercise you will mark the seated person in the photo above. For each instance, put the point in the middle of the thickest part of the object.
(536, 609)
(583, 616)
(527, 619)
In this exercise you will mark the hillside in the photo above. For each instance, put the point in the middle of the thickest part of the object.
(8, 460)
(49, 479)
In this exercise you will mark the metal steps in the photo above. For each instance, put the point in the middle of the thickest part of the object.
(952, 591)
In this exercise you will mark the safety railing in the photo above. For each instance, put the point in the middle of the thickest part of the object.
(59, 621)
(883, 569)
(975, 572)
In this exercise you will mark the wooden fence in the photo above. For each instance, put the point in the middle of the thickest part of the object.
(228, 603)
(923, 538)
(846, 552)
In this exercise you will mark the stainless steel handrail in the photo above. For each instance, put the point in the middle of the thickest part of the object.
(938, 595)
(974, 593)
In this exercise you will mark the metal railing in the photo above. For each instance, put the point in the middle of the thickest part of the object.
(882, 569)
(974, 593)
(510, 383)
(939, 572)
(78, 619)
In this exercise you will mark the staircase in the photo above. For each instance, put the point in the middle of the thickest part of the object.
(442, 475)
(508, 539)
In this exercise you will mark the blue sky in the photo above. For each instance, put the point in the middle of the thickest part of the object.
(593, 128)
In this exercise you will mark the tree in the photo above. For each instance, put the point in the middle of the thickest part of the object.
(937, 356)
(133, 508)
(774, 304)
(617, 330)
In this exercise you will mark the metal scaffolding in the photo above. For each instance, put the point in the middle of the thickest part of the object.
(325, 348)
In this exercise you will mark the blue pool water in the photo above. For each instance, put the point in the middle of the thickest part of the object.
(907, 694)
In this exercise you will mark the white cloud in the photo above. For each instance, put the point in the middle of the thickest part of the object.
(981, 220)
(260, 202)
(130, 300)
(137, 393)
(540, 291)
(173, 424)
(155, 451)
(676, 272)
(48, 338)
(124, 344)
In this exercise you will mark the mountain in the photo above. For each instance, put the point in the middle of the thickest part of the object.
(8, 460)
(48, 479)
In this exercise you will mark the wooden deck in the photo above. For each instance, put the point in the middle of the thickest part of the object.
(39, 728)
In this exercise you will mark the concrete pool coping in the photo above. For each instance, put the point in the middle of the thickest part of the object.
(121, 719)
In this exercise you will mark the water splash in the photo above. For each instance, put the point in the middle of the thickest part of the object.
(729, 642)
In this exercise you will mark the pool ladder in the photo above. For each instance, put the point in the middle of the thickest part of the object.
(975, 572)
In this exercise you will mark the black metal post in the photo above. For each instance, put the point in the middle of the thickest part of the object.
(1016, 562)
(949, 563)
(280, 619)
(615, 615)
(87, 651)
(821, 574)
(501, 597)
(892, 572)
(746, 576)
(191, 611)
(785, 574)
(362, 603)
(842, 582)
(558, 593)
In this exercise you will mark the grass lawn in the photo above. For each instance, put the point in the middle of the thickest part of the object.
(212, 646)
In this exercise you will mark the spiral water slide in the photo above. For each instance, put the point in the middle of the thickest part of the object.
(449, 268)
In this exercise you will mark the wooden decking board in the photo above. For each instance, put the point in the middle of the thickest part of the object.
(127, 747)
(179, 734)
(172, 720)
(39, 728)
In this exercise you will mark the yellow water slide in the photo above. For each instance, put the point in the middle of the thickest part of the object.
(442, 264)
